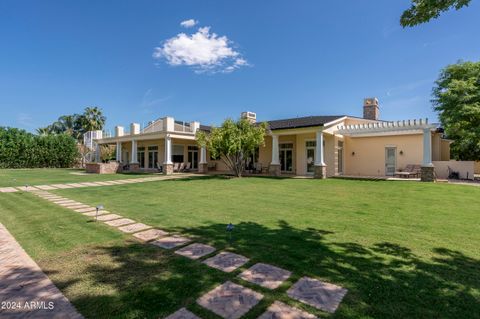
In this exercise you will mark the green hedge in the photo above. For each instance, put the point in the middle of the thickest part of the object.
(20, 149)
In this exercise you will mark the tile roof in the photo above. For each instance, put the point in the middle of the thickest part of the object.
(299, 122)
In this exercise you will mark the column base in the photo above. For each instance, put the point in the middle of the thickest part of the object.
(134, 167)
(427, 174)
(202, 167)
(320, 171)
(274, 170)
(167, 169)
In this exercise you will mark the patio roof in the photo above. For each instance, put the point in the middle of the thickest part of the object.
(379, 128)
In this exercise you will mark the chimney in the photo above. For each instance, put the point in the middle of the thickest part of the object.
(370, 109)
(134, 129)
(250, 116)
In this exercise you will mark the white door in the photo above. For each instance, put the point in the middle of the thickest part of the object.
(390, 160)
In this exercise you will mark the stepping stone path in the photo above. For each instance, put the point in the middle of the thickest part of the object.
(195, 251)
(267, 276)
(108, 217)
(318, 294)
(8, 190)
(182, 314)
(120, 222)
(226, 261)
(133, 228)
(171, 241)
(279, 310)
(150, 234)
(100, 212)
(230, 301)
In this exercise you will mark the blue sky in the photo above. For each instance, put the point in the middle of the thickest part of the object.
(277, 58)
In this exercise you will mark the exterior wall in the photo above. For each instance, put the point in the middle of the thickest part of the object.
(102, 168)
(465, 168)
(369, 158)
(477, 167)
(436, 147)
(445, 150)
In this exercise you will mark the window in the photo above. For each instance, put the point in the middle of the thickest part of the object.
(286, 145)
(152, 156)
(311, 144)
(177, 153)
(141, 156)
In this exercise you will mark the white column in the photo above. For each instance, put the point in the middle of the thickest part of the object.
(203, 155)
(275, 152)
(319, 158)
(134, 152)
(427, 147)
(119, 152)
(168, 150)
(97, 153)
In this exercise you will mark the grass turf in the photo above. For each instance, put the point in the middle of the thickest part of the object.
(403, 249)
(40, 176)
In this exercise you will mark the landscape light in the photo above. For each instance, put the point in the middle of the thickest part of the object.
(98, 208)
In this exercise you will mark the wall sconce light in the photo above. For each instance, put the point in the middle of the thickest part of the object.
(401, 152)
(353, 153)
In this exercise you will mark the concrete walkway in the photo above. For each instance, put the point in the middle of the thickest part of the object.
(25, 291)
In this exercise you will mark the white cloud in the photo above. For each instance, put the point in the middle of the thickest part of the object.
(203, 51)
(189, 23)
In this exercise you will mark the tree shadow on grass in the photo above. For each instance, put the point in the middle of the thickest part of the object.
(385, 280)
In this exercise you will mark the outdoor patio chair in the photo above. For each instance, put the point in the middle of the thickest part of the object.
(182, 167)
(410, 170)
(176, 166)
(159, 167)
(258, 168)
(187, 167)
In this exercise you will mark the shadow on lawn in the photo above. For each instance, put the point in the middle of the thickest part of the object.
(384, 280)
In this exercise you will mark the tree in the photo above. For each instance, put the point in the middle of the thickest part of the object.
(107, 153)
(233, 142)
(92, 119)
(423, 11)
(457, 101)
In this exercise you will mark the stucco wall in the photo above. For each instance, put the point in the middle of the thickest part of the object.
(477, 167)
(465, 168)
(445, 150)
(369, 158)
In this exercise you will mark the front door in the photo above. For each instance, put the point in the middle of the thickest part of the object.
(390, 160)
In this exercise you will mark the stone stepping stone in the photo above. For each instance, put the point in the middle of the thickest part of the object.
(265, 275)
(195, 251)
(279, 310)
(182, 313)
(27, 189)
(103, 183)
(45, 187)
(150, 234)
(76, 185)
(76, 206)
(64, 201)
(229, 300)
(120, 222)
(133, 228)
(108, 217)
(62, 186)
(171, 241)
(115, 183)
(94, 213)
(85, 210)
(318, 294)
(89, 184)
(226, 261)
(8, 190)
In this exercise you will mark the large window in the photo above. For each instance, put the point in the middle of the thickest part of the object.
(177, 153)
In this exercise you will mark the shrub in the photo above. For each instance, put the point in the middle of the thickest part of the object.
(20, 149)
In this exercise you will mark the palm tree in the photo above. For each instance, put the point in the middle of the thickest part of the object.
(43, 131)
(93, 119)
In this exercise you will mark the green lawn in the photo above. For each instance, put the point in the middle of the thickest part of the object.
(403, 249)
(21, 177)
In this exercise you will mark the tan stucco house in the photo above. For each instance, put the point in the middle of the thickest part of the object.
(320, 146)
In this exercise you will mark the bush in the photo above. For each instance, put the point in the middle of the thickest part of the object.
(20, 149)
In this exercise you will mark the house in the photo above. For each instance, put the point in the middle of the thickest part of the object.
(321, 146)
